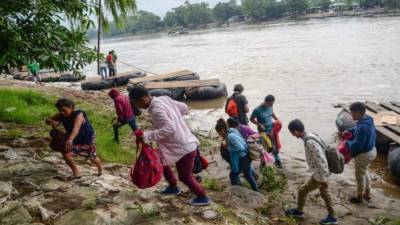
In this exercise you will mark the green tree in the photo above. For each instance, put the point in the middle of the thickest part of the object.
(189, 15)
(324, 4)
(296, 7)
(225, 10)
(170, 19)
(254, 9)
(274, 9)
(391, 3)
(52, 32)
(369, 3)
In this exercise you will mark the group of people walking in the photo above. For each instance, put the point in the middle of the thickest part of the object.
(109, 64)
(178, 146)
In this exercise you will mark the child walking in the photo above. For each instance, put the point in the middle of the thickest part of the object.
(318, 164)
(240, 161)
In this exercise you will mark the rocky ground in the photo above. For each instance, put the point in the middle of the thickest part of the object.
(34, 189)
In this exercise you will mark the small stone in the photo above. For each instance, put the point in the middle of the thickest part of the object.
(209, 214)
(46, 214)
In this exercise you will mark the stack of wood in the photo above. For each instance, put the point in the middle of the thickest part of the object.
(182, 84)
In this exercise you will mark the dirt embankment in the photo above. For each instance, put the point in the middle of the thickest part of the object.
(34, 188)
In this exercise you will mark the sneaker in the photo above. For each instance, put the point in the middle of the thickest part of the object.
(294, 213)
(356, 200)
(328, 220)
(200, 201)
(367, 197)
(171, 190)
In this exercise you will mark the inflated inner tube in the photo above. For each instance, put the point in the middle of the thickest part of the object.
(394, 162)
(193, 76)
(344, 121)
(206, 93)
(175, 93)
(123, 80)
(45, 77)
(98, 85)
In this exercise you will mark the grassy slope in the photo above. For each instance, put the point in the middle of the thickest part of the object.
(28, 107)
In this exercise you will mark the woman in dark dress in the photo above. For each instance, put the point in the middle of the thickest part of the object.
(80, 140)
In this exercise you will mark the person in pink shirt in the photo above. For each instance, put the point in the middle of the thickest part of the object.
(176, 142)
(124, 112)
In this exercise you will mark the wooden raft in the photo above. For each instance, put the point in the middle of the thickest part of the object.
(160, 77)
(386, 118)
(182, 84)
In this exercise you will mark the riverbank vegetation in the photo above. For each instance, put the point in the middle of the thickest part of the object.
(198, 15)
(28, 107)
(52, 32)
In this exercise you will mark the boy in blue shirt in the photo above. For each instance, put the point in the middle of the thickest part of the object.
(262, 117)
(362, 149)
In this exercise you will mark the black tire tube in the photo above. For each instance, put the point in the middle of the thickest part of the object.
(394, 162)
(193, 76)
(98, 85)
(344, 121)
(206, 93)
(123, 80)
(175, 93)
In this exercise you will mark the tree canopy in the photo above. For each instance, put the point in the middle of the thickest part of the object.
(51, 32)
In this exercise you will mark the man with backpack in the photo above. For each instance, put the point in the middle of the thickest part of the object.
(176, 143)
(362, 148)
(318, 163)
(237, 105)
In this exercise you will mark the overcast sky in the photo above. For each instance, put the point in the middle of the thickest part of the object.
(160, 7)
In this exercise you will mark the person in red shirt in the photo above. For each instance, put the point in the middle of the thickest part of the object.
(124, 112)
(110, 64)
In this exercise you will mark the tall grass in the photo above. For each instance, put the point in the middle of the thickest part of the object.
(24, 106)
(33, 107)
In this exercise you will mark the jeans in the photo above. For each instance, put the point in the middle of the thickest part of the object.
(131, 122)
(310, 186)
(246, 168)
(275, 151)
(103, 72)
(184, 167)
(111, 71)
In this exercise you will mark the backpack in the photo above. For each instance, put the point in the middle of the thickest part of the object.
(58, 139)
(200, 163)
(255, 150)
(231, 108)
(147, 170)
(334, 157)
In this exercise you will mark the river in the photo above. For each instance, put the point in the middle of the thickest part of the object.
(308, 65)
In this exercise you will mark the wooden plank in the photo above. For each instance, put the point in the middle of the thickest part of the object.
(391, 107)
(182, 84)
(394, 128)
(396, 103)
(160, 77)
(389, 134)
(374, 107)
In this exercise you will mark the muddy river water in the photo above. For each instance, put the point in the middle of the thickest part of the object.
(308, 66)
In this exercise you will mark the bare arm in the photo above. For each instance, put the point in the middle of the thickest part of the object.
(274, 116)
(79, 120)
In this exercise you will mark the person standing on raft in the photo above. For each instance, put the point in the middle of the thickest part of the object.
(176, 143)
